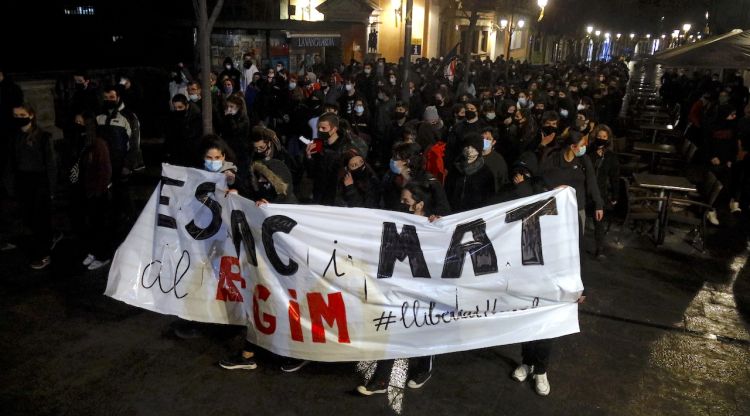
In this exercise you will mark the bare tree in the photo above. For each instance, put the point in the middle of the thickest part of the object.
(205, 25)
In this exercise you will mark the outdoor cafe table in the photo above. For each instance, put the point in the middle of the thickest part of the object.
(665, 184)
(654, 149)
(656, 129)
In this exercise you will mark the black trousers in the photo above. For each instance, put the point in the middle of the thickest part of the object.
(416, 365)
(34, 198)
(537, 353)
(97, 229)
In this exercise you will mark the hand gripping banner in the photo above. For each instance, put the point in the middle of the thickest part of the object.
(351, 284)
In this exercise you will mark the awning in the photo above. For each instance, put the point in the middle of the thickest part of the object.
(730, 50)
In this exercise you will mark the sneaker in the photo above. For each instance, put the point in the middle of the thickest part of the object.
(98, 264)
(88, 260)
(541, 385)
(7, 246)
(712, 218)
(56, 239)
(292, 364)
(373, 387)
(521, 373)
(734, 206)
(238, 362)
(41, 263)
(419, 379)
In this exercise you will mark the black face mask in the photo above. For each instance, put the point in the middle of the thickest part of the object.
(599, 143)
(325, 135)
(470, 115)
(547, 130)
(247, 65)
(405, 208)
(80, 86)
(109, 104)
(359, 174)
(22, 121)
(399, 115)
(179, 113)
(460, 118)
(267, 191)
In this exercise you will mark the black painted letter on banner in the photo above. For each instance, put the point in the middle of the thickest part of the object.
(270, 226)
(164, 220)
(531, 232)
(202, 194)
(483, 257)
(395, 246)
(241, 234)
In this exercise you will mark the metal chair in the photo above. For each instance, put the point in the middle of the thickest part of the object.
(693, 211)
(641, 205)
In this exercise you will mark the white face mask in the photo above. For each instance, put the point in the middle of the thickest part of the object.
(581, 107)
(194, 97)
(231, 111)
(228, 67)
(491, 116)
(368, 71)
(279, 68)
(292, 85)
(487, 145)
(523, 101)
(393, 81)
(349, 87)
(564, 113)
(123, 82)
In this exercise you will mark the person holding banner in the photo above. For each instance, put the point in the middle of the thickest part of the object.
(563, 167)
(416, 199)
(408, 165)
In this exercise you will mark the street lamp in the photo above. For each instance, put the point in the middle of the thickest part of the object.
(503, 23)
(648, 36)
(619, 35)
(396, 5)
(598, 32)
(632, 36)
(686, 27)
(521, 24)
(542, 4)
(589, 29)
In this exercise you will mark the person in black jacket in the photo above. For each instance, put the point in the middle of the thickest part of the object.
(470, 183)
(415, 198)
(325, 159)
(607, 170)
(494, 160)
(32, 165)
(359, 186)
(183, 133)
(566, 166)
(236, 130)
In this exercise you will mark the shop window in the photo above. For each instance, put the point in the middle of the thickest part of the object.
(517, 42)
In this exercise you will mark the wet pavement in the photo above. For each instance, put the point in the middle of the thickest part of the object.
(664, 331)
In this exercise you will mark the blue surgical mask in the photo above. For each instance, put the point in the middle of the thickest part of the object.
(213, 165)
(394, 167)
(487, 145)
(581, 151)
(359, 110)
(522, 102)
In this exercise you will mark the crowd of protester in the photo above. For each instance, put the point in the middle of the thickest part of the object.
(432, 144)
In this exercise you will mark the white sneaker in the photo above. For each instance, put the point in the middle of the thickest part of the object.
(734, 206)
(97, 264)
(541, 385)
(88, 260)
(712, 218)
(521, 373)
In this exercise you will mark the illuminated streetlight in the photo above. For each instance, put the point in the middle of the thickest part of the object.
(607, 35)
(632, 35)
(598, 32)
(675, 34)
(589, 29)
(521, 24)
(663, 36)
(648, 36)
(686, 27)
(503, 23)
(619, 35)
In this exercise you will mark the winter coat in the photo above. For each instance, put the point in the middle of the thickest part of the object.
(469, 186)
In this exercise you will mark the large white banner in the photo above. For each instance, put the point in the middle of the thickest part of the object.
(350, 284)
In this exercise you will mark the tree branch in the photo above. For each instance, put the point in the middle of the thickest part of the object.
(214, 15)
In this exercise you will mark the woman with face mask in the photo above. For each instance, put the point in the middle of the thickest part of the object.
(470, 183)
(607, 170)
(360, 118)
(567, 166)
(235, 131)
(358, 186)
(415, 198)
(33, 169)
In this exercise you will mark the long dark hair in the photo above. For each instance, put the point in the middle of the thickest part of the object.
(420, 192)
(212, 141)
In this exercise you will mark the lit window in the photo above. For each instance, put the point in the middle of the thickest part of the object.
(79, 11)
